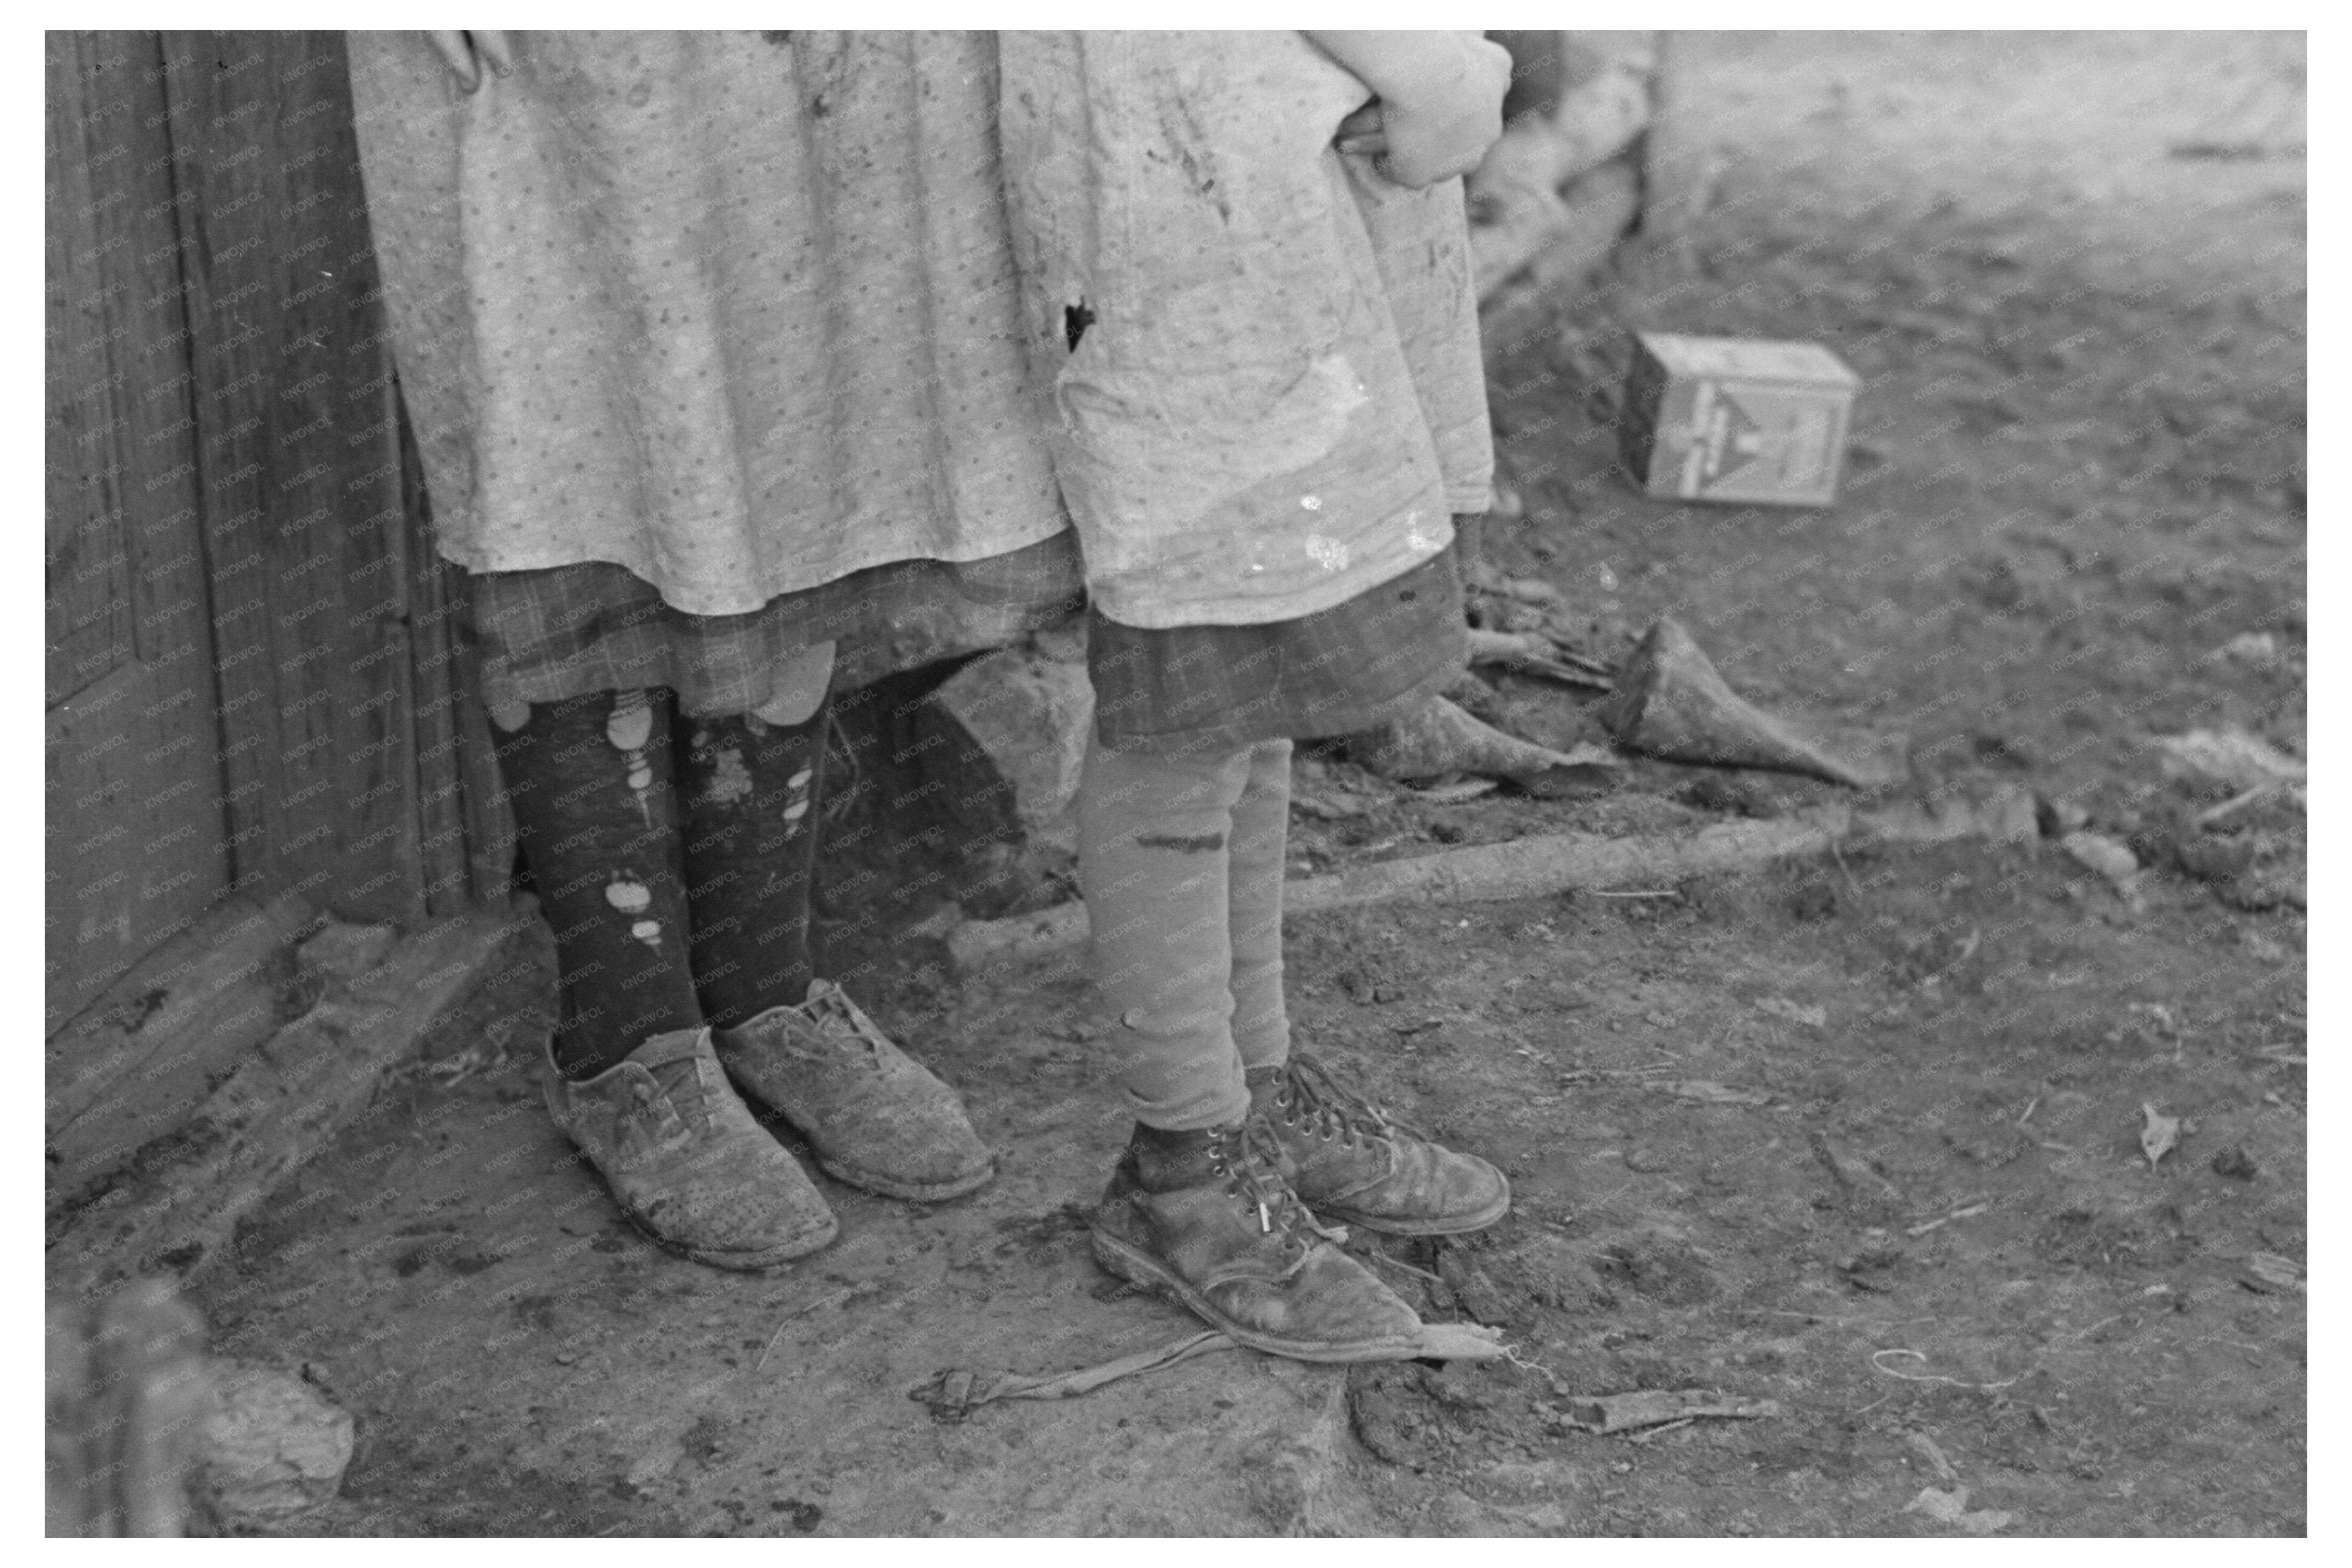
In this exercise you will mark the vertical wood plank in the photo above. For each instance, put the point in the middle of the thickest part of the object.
(90, 303)
(440, 772)
(136, 836)
(300, 470)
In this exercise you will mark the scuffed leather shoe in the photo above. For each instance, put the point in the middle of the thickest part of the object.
(1223, 1235)
(686, 1160)
(1349, 1160)
(875, 1116)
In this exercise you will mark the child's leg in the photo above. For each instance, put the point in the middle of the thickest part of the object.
(875, 1117)
(1260, 835)
(589, 784)
(1154, 837)
(1199, 1207)
(597, 815)
(750, 788)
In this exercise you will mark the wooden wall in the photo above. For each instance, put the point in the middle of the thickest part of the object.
(255, 679)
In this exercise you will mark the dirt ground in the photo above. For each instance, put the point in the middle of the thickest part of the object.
(1917, 1218)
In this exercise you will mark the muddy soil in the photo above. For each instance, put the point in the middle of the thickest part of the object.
(1860, 1136)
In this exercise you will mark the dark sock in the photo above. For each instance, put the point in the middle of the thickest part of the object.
(751, 791)
(596, 813)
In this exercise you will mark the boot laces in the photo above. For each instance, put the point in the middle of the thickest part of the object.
(1246, 1156)
(1322, 1103)
(840, 1034)
(679, 1081)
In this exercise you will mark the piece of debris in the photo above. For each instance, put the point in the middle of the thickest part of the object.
(1813, 1017)
(272, 1445)
(2231, 151)
(1296, 1480)
(1536, 867)
(1486, 579)
(2267, 1271)
(2235, 1164)
(2214, 816)
(953, 1395)
(1967, 1211)
(2158, 1135)
(2110, 859)
(1532, 653)
(1925, 1447)
(1670, 702)
(2229, 758)
(2059, 817)
(1852, 1171)
(1438, 738)
(1952, 1508)
(2259, 650)
(1609, 1414)
(1705, 1091)
(1335, 807)
(1456, 794)
(1729, 790)
(2004, 814)
(1030, 709)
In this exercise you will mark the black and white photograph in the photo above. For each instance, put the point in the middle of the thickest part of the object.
(1177, 784)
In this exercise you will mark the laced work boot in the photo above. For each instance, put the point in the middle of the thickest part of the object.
(1350, 1160)
(875, 1116)
(686, 1160)
(1205, 1217)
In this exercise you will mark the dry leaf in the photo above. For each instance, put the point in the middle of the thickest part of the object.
(2158, 1136)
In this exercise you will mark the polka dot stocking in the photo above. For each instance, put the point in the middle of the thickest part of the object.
(750, 790)
(590, 779)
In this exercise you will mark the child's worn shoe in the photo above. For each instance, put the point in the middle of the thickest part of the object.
(686, 1160)
(1206, 1218)
(875, 1117)
(1349, 1161)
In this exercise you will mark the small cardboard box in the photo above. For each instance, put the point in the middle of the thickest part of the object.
(1729, 419)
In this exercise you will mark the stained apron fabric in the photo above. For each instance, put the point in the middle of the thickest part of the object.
(1267, 390)
(733, 311)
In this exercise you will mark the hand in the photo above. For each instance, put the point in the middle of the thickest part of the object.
(1440, 105)
(1444, 128)
(466, 53)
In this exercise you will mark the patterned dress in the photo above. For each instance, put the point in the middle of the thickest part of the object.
(711, 342)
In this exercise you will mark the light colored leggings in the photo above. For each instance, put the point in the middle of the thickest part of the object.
(1181, 859)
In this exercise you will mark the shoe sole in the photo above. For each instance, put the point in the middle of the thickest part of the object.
(1455, 1226)
(738, 1262)
(909, 1191)
(1140, 1267)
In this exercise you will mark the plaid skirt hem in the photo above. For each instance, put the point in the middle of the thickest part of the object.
(1188, 689)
